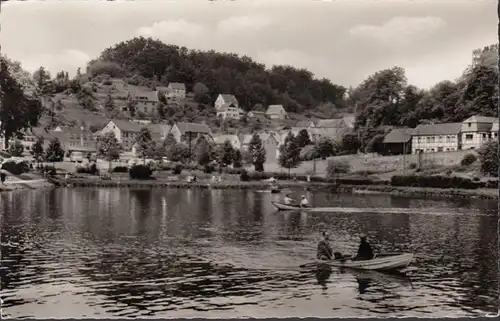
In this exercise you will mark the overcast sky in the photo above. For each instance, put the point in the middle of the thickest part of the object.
(343, 40)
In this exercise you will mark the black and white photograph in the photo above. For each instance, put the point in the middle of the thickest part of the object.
(249, 158)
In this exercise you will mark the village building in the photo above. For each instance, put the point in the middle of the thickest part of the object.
(233, 139)
(176, 90)
(126, 132)
(78, 142)
(269, 142)
(145, 101)
(431, 138)
(398, 141)
(187, 132)
(224, 99)
(305, 124)
(349, 121)
(276, 112)
(256, 114)
(478, 130)
(230, 110)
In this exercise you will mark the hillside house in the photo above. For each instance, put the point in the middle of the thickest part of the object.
(224, 99)
(126, 132)
(186, 132)
(269, 142)
(30, 136)
(331, 123)
(77, 141)
(159, 131)
(145, 102)
(349, 121)
(478, 130)
(233, 139)
(276, 112)
(256, 113)
(230, 110)
(176, 90)
(305, 123)
(436, 138)
(398, 141)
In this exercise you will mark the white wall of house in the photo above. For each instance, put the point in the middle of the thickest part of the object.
(112, 128)
(219, 102)
(474, 140)
(435, 143)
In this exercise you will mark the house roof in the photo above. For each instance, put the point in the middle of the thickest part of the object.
(158, 130)
(177, 85)
(127, 126)
(304, 123)
(226, 106)
(149, 95)
(398, 135)
(162, 89)
(193, 128)
(220, 139)
(481, 119)
(228, 98)
(330, 123)
(437, 129)
(349, 120)
(275, 109)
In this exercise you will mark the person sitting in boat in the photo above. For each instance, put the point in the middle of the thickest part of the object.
(365, 251)
(288, 200)
(325, 251)
(304, 202)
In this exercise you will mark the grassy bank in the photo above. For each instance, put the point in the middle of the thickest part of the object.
(482, 193)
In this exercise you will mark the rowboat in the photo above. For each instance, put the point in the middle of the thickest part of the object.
(381, 262)
(285, 207)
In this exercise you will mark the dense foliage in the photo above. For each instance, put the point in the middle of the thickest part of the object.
(140, 172)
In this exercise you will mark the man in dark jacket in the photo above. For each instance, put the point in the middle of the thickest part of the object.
(325, 251)
(365, 251)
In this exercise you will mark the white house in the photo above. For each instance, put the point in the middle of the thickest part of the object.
(233, 139)
(186, 132)
(145, 101)
(478, 130)
(224, 99)
(176, 90)
(230, 110)
(126, 132)
(276, 112)
(436, 138)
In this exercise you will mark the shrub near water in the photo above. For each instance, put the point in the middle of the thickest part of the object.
(120, 169)
(468, 159)
(434, 181)
(16, 168)
(140, 172)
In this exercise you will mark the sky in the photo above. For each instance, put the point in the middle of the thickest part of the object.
(342, 40)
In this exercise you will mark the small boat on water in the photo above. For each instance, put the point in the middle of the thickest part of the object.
(381, 262)
(285, 207)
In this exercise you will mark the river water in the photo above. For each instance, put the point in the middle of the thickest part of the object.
(220, 253)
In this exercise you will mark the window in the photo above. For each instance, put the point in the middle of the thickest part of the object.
(428, 139)
(468, 137)
(496, 134)
(469, 124)
(441, 138)
(433, 139)
(418, 139)
(448, 138)
(440, 149)
(484, 136)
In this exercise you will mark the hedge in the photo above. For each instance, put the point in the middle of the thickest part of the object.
(120, 169)
(92, 170)
(16, 168)
(435, 181)
(140, 172)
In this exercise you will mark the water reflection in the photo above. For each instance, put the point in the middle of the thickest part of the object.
(159, 252)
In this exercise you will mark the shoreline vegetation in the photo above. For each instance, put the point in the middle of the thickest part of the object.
(480, 193)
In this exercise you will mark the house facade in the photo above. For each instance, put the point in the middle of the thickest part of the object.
(269, 142)
(276, 112)
(233, 139)
(478, 130)
(224, 99)
(176, 90)
(436, 138)
(145, 102)
(187, 132)
(126, 132)
(78, 142)
(305, 124)
(230, 110)
(398, 141)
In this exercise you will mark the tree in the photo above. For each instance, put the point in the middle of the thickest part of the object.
(108, 147)
(54, 152)
(109, 107)
(203, 152)
(350, 143)
(18, 111)
(131, 107)
(488, 155)
(160, 109)
(376, 144)
(324, 148)
(226, 154)
(16, 149)
(258, 153)
(303, 138)
(145, 146)
(289, 153)
(177, 152)
(42, 80)
(37, 149)
(237, 159)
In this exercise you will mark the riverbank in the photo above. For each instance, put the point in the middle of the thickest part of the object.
(15, 185)
(484, 193)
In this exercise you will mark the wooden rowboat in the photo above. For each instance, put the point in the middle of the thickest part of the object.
(285, 207)
(381, 262)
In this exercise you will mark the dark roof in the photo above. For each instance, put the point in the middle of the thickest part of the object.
(127, 126)
(437, 129)
(398, 135)
(149, 95)
(193, 128)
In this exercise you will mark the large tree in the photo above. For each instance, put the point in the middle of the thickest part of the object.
(289, 153)
(257, 152)
(303, 138)
(108, 147)
(37, 149)
(55, 151)
(145, 145)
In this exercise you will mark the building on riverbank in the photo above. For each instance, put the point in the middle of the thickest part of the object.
(478, 130)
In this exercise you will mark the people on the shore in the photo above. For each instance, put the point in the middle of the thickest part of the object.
(304, 202)
(324, 251)
(365, 251)
(288, 200)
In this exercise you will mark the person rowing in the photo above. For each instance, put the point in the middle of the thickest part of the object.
(304, 202)
(324, 251)
(288, 200)
(365, 251)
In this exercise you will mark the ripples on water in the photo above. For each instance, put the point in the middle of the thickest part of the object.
(185, 253)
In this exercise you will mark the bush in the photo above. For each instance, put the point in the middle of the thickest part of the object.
(177, 169)
(468, 159)
(208, 169)
(434, 181)
(412, 166)
(120, 169)
(244, 177)
(107, 82)
(337, 167)
(16, 168)
(237, 171)
(140, 172)
(92, 170)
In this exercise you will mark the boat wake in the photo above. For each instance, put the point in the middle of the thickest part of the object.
(420, 211)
